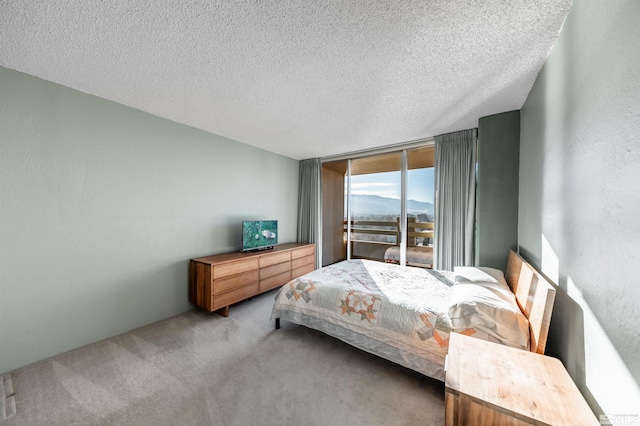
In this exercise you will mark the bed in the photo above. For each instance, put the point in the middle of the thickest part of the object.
(421, 256)
(405, 314)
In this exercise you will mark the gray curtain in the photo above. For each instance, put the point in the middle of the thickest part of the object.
(309, 204)
(455, 182)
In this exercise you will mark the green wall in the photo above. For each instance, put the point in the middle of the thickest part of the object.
(579, 198)
(497, 193)
(102, 206)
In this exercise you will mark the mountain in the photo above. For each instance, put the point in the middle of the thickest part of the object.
(376, 205)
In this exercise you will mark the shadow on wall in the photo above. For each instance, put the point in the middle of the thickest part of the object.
(577, 338)
(566, 333)
(567, 342)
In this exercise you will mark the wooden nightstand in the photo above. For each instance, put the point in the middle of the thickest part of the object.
(492, 384)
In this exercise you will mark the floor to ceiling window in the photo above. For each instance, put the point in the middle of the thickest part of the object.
(377, 223)
(375, 206)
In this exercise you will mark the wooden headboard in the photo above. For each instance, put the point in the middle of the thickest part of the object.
(535, 296)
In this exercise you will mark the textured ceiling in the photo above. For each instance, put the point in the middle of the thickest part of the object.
(299, 78)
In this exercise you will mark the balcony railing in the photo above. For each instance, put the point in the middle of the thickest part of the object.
(379, 240)
(391, 229)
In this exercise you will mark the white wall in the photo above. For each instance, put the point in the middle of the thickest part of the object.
(579, 197)
(101, 208)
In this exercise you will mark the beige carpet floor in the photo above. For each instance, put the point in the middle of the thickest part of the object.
(201, 369)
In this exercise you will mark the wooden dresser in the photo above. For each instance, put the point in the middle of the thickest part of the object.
(217, 281)
(491, 384)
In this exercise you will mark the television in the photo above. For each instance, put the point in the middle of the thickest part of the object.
(259, 234)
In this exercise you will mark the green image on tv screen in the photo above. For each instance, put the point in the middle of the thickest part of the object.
(259, 234)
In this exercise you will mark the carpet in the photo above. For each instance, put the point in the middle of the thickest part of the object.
(202, 369)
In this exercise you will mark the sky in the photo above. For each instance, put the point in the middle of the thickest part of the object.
(419, 183)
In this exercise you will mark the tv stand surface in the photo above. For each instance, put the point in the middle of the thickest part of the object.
(259, 249)
(217, 281)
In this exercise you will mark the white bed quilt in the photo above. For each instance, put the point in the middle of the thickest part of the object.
(395, 312)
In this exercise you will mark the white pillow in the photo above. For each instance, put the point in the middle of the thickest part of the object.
(481, 299)
(481, 274)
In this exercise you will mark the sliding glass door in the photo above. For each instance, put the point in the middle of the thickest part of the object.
(387, 205)
(375, 191)
(420, 206)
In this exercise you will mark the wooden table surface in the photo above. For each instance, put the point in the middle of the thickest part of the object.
(533, 388)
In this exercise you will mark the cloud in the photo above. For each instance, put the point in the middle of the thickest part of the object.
(382, 189)
(387, 194)
(369, 185)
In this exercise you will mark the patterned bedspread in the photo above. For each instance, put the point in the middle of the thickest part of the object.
(395, 312)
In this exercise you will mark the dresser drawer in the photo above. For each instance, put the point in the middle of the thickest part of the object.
(234, 281)
(224, 299)
(274, 258)
(303, 251)
(295, 273)
(302, 261)
(232, 268)
(272, 270)
(275, 281)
